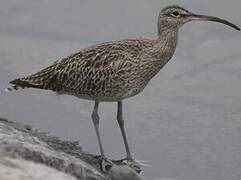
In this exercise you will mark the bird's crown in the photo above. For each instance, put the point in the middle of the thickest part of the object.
(174, 10)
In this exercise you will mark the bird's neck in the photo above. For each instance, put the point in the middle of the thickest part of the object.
(165, 45)
(162, 51)
(159, 54)
(167, 39)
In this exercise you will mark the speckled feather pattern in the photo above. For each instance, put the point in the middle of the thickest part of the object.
(109, 71)
(115, 70)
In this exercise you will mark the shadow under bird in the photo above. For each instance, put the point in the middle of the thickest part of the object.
(116, 70)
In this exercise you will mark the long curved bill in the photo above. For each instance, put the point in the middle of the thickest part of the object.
(198, 17)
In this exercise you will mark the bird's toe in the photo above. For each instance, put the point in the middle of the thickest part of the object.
(132, 164)
(105, 164)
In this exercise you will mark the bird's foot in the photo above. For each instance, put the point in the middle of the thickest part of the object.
(135, 165)
(105, 164)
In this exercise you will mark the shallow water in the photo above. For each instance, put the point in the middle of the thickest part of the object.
(186, 123)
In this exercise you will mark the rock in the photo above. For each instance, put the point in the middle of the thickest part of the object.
(28, 154)
(20, 169)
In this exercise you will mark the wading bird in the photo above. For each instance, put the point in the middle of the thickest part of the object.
(116, 70)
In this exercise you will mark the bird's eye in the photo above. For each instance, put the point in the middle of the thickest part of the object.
(175, 14)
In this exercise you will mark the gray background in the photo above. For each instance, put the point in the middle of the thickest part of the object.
(187, 122)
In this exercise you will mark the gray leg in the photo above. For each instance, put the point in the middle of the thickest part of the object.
(130, 161)
(122, 128)
(96, 120)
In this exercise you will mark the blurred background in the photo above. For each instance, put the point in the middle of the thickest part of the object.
(186, 123)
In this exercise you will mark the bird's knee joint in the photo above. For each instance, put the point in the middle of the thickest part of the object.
(95, 118)
(120, 120)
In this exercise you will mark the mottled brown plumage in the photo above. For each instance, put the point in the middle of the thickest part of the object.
(108, 72)
(115, 70)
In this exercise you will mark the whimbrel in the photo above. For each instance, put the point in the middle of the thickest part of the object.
(116, 70)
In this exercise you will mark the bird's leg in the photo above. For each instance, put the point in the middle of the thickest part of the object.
(105, 163)
(129, 160)
(122, 128)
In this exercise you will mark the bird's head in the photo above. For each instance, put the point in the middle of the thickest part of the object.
(176, 16)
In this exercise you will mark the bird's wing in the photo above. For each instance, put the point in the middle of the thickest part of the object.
(96, 67)
(98, 62)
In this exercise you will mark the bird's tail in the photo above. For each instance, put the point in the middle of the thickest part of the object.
(14, 88)
(19, 84)
(42, 80)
